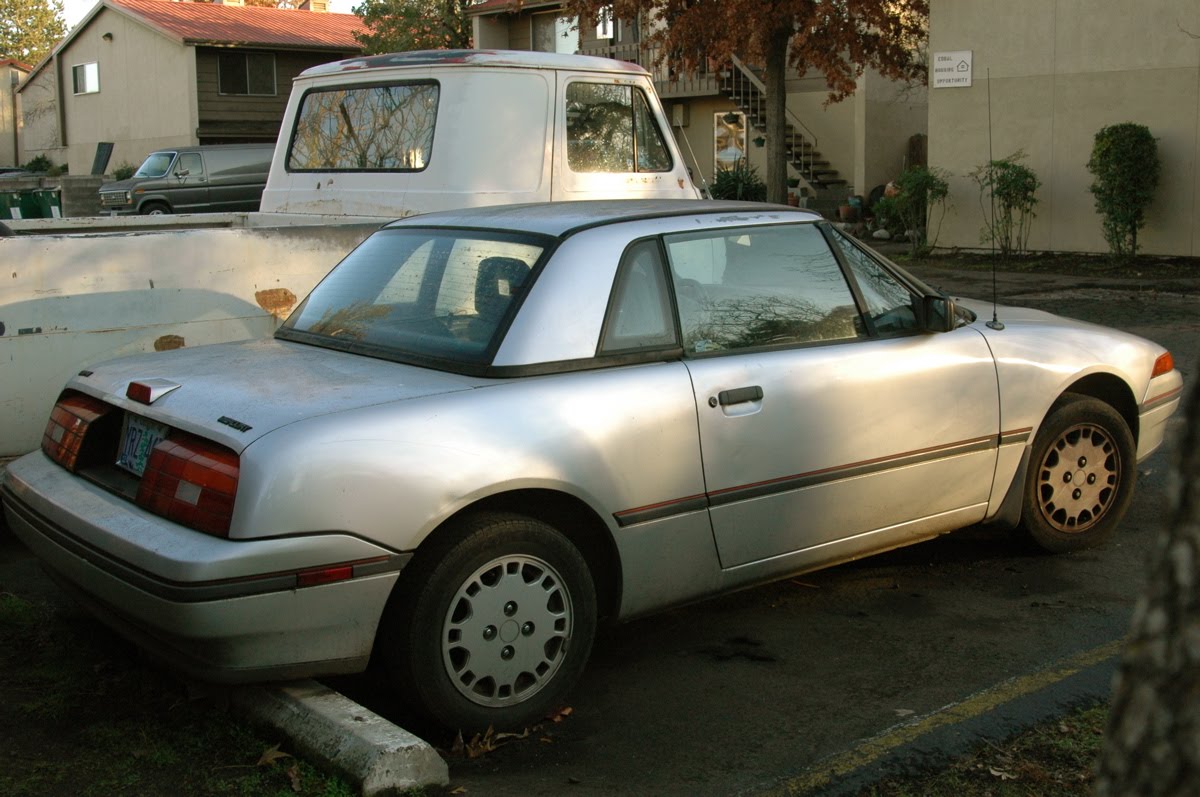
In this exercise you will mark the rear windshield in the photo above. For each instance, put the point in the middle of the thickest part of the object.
(420, 296)
(365, 128)
(156, 164)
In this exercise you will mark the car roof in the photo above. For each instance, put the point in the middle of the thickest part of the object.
(476, 58)
(560, 219)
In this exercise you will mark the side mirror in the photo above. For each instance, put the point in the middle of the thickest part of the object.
(938, 314)
(182, 173)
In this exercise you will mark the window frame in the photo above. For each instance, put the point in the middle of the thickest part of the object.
(75, 78)
(429, 153)
(666, 303)
(245, 54)
(868, 329)
(634, 91)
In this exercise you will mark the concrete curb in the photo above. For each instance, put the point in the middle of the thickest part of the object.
(334, 731)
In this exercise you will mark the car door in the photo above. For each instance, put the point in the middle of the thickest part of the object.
(825, 412)
(189, 183)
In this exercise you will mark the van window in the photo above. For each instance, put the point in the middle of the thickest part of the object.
(611, 129)
(367, 128)
(190, 165)
(155, 165)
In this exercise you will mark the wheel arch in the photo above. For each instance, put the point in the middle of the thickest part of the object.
(1113, 391)
(570, 516)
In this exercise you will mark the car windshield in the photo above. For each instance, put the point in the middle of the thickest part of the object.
(419, 295)
(155, 165)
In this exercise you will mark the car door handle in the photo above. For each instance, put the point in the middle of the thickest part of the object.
(738, 396)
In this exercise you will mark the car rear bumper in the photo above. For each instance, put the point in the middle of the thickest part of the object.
(125, 565)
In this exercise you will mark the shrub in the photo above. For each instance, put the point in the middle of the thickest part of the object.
(1125, 164)
(740, 182)
(124, 171)
(922, 196)
(1007, 194)
(40, 164)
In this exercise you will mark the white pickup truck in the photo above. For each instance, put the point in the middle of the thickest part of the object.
(362, 141)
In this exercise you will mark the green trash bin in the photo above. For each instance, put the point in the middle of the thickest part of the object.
(28, 204)
(8, 201)
(49, 202)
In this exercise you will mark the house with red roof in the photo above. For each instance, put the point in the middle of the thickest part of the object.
(12, 72)
(148, 74)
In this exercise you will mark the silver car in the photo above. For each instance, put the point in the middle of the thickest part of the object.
(487, 429)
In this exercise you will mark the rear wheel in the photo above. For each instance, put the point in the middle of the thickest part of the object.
(493, 626)
(1081, 475)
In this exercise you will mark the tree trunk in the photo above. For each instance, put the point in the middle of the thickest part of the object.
(1152, 747)
(776, 105)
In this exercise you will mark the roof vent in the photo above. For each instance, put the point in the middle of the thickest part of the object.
(315, 6)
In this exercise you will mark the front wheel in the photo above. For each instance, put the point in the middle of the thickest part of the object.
(493, 626)
(155, 209)
(1081, 475)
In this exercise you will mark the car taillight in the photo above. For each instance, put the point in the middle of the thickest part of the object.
(68, 425)
(192, 482)
(1165, 364)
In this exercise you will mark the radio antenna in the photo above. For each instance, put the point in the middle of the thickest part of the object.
(995, 323)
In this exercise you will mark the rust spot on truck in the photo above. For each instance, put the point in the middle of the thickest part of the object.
(276, 301)
(168, 342)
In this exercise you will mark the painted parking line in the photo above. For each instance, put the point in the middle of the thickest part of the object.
(871, 750)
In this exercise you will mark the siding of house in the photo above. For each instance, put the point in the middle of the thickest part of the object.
(232, 118)
(140, 105)
(1061, 70)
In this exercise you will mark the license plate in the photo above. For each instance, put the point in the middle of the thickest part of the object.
(138, 438)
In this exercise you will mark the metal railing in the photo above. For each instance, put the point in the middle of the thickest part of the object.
(668, 82)
(740, 82)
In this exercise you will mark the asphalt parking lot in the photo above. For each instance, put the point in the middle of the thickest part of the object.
(796, 686)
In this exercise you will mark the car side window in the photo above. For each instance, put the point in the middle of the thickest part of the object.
(745, 288)
(190, 165)
(639, 314)
(889, 302)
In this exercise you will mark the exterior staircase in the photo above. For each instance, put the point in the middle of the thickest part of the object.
(743, 85)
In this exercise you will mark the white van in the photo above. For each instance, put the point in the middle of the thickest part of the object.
(394, 135)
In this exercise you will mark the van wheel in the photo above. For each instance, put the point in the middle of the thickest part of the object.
(155, 209)
(493, 626)
(1081, 475)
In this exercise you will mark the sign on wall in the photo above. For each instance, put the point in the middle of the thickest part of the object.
(952, 70)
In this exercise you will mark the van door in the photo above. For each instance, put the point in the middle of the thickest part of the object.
(612, 142)
(187, 184)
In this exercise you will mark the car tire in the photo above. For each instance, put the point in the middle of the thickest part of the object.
(1081, 475)
(155, 209)
(491, 625)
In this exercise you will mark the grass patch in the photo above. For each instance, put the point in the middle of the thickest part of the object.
(86, 717)
(1054, 759)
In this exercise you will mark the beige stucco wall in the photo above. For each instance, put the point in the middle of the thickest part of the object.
(1061, 70)
(887, 115)
(147, 96)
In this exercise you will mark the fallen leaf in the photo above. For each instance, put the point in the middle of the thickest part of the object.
(546, 739)
(904, 712)
(271, 755)
(460, 790)
(561, 714)
(293, 774)
(457, 748)
(1000, 773)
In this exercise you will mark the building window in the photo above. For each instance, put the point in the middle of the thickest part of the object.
(86, 78)
(246, 73)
